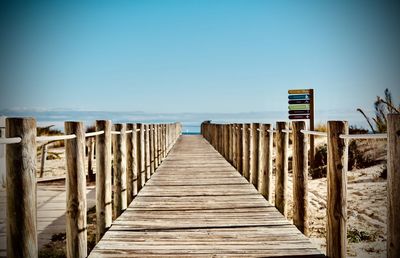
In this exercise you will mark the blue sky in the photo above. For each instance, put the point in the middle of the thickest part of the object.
(197, 56)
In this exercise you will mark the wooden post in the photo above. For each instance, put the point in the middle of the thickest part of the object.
(254, 153)
(393, 186)
(43, 159)
(147, 151)
(337, 190)
(135, 163)
(21, 188)
(300, 177)
(155, 146)
(103, 178)
(265, 168)
(129, 163)
(226, 142)
(281, 179)
(246, 151)
(311, 137)
(140, 158)
(159, 143)
(119, 165)
(239, 148)
(91, 175)
(76, 191)
(234, 145)
(151, 143)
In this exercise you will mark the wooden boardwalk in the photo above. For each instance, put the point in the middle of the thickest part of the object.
(197, 204)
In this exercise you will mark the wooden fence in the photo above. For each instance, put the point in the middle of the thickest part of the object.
(132, 151)
(249, 148)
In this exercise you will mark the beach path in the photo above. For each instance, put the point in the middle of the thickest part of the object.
(198, 205)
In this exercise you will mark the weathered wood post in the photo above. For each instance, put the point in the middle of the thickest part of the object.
(135, 164)
(300, 177)
(147, 151)
(43, 159)
(246, 151)
(151, 143)
(337, 189)
(265, 168)
(103, 178)
(281, 178)
(163, 146)
(234, 150)
(21, 188)
(393, 186)
(239, 148)
(156, 146)
(119, 167)
(254, 127)
(225, 140)
(76, 191)
(141, 178)
(129, 163)
(91, 175)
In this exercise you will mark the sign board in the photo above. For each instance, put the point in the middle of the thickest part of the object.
(301, 107)
(301, 104)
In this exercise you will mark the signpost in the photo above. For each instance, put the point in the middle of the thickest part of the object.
(301, 107)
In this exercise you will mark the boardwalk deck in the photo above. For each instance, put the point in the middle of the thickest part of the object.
(197, 204)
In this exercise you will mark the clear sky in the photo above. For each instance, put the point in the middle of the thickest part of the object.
(197, 56)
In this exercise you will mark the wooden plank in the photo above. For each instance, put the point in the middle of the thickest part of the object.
(197, 204)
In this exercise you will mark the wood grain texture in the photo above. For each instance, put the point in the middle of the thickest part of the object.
(129, 164)
(254, 136)
(75, 182)
(103, 178)
(336, 237)
(300, 177)
(281, 164)
(393, 179)
(197, 205)
(21, 188)
(119, 168)
(265, 168)
(147, 151)
(246, 151)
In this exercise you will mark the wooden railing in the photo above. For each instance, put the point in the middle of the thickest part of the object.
(136, 150)
(249, 148)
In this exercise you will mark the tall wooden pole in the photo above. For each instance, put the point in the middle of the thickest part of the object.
(281, 179)
(254, 153)
(393, 186)
(151, 142)
(265, 168)
(336, 238)
(135, 164)
(239, 148)
(141, 158)
(21, 188)
(103, 178)
(119, 166)
(76, 191)
(300, 177)
(147, 151)
(246, 151)
(129, 163)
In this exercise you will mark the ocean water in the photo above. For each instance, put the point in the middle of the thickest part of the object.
(190, 121)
